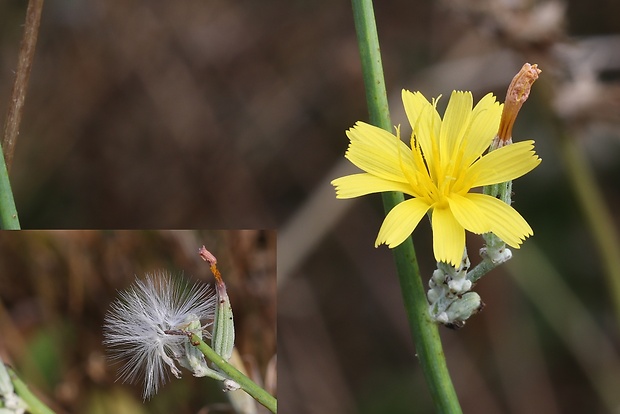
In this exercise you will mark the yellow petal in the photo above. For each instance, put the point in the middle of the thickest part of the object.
(415, 104)
(454, 124)
(448, 237)
(504, 164)
(401, 221)
(357, 185)
(505, 222)
(424, 119)
(484, 125)
(468, 214)
(375, 150)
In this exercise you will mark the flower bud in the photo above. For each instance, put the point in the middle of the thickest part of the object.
(467, 305)
(518, 92)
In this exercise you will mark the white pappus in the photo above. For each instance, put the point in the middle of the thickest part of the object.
(136, 324)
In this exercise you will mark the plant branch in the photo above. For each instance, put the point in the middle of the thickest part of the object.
(24, 65)
(35, 406)
(234, 374)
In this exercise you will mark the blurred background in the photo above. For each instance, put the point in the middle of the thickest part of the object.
(57, 285)
(219, 114)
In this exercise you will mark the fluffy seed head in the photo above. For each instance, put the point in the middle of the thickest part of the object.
(135, 326)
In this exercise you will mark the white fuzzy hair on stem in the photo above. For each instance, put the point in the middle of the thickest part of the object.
(136, 324)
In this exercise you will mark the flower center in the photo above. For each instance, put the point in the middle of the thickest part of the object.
(442, 203)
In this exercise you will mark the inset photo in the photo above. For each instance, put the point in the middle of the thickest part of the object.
(138, 321)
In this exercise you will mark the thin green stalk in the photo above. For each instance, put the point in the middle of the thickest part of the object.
(35, 406)
(233, 373)
(482, 268)
(424, 331)
(8, 212)
(372, 68)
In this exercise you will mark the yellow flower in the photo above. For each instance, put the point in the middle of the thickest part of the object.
(445, 162)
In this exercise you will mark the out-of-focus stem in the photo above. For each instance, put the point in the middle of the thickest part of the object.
(22, 74)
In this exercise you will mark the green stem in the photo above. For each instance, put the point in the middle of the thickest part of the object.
(8, 212)
(484, 267)
(372, 69)
(234, 374)
(424, 331)
(35, 406)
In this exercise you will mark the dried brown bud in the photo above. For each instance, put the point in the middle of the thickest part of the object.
(517, 94)
(207, 256)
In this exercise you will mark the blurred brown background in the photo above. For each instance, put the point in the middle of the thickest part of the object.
(219, 114)
(56, 285)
